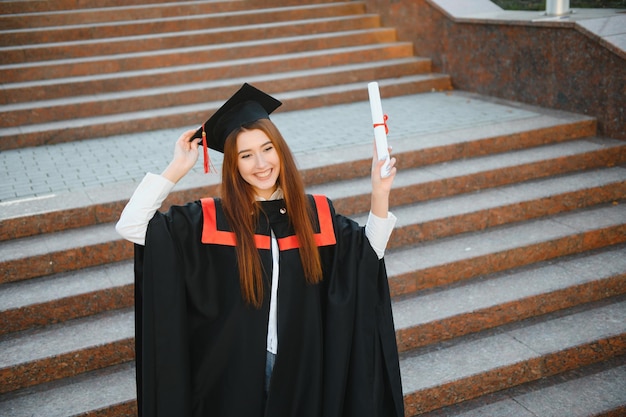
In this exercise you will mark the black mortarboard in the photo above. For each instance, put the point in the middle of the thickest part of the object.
(247, 105)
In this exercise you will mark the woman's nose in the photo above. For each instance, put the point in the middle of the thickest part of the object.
(260, 161)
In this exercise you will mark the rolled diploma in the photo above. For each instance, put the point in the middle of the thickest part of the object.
(380, 134)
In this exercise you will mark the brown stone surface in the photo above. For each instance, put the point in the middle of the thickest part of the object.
(67, 260)
(539, 239)
(530, 369)
(86, 16)
(68, 308)
(547, 64)
(468, 388)
(183, 96)
(127, 409)
(479, 320)
(462, 269)
(181, 56)
(200, 22)
(70, 50)
(141, 122)
(66, 365)
(483, 219)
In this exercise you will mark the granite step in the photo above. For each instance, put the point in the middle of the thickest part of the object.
(593, 390)
(137, 27)
(18, 77)
(54, 298)
(432, 378)
(66, 349)
(64, 6)
(484, 209)
(62, 252)
(541, 289)
(494, 300)
(596, 390)
(410, 269)
(455, 259)
(62, 211)
(162, 41)
(79, 97)
(470, 367)
(188, 115)
(522, 221)
(109, 392)
(61, 297)
(447, 179)
(76, 16)
(72, 249)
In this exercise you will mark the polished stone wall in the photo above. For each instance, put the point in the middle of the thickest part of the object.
(552, 64)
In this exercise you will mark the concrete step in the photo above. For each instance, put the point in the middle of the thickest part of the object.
(188, 115)
(60, 211)
(63, 252)
(196, 21)
(140, 44)
(507, 232)
(108, 392)
(595, 390)
(432, 378)
(59, 297)
(488, 208)
(458, 258)
(93, 245)
(64, 6)
(18, 77)
(66, 349)
(40, 19)
(78, 96)
(468, 368)
(62, 297)
(447, 179)
(494, 300)
(162, 41)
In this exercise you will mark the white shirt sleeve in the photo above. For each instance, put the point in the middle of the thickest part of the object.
(378, 231)
(146, 200)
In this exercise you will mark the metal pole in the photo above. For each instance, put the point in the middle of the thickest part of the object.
(557, 7)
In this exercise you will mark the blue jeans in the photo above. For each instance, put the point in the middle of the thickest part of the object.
(269, 367)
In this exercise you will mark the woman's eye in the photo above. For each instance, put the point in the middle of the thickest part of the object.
(269, 148)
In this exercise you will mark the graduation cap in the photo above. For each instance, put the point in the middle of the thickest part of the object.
(247, 105)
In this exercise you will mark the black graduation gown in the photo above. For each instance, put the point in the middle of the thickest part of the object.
(201, 350)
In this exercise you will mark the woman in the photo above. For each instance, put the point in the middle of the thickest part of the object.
(264, 302)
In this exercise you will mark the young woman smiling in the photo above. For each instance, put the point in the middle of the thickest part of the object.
(263, 302)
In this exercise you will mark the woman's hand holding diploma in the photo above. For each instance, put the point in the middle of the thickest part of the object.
(380, 127)
(383, 167)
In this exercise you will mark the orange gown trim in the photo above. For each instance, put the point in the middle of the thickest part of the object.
(211, 234)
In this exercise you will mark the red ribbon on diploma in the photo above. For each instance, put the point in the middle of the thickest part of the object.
(384, 123)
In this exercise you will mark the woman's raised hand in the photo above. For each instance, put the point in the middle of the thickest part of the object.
(185, 157)
(381, 187)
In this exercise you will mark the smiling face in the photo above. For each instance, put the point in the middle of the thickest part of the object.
(258, 161)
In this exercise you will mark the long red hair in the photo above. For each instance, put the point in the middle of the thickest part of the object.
(238, 200)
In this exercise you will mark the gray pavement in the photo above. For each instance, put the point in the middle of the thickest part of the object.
(42, 172)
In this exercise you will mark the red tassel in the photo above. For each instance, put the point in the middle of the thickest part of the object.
(205, 150)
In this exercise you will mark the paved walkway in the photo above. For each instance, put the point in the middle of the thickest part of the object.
(38, 173)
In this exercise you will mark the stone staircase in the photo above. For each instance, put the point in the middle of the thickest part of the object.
(507, 266)
(88, 73)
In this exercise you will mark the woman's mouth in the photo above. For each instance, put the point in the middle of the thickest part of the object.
(264, 175)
